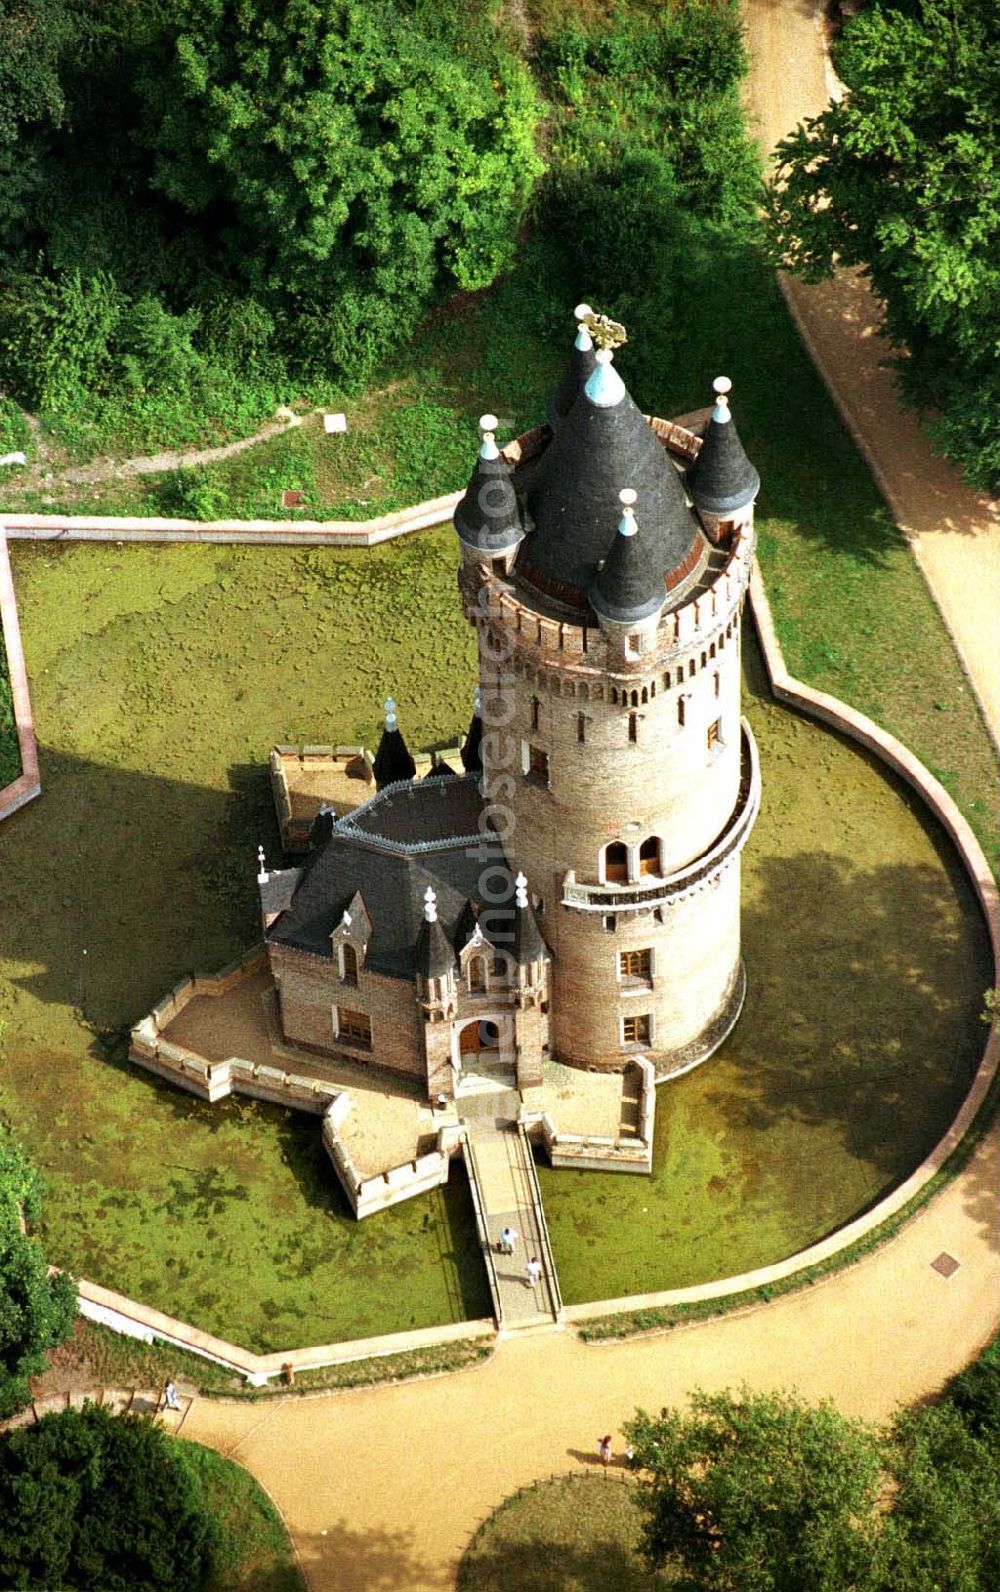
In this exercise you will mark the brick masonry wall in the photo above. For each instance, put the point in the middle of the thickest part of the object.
(310, 987)
(643, 768)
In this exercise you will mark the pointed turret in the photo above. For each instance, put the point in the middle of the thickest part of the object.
(528, 944)
(433, 957)
(629, 587)
(572, 495)
(439, 769)
(392, 761)
(581, 364)
(467, 926)
(722, 480)
(471, 756)
(488, 518)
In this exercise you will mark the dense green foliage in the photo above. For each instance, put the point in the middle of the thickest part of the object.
(901, 177)
(762, 1493)
(222, 205)
(36, 1311)
(104, 1502)
(217, 200)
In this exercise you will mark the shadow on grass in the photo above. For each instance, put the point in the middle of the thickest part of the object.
(368, 1561)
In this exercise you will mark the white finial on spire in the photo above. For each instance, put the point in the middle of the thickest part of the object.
(430, 905)
(477, 704)
(262, 873)
(581, 312)
(722, 387)
(627, 525)
(390, 714)
(346, 919)
(604, 387)
(521, 891)
(488, 425)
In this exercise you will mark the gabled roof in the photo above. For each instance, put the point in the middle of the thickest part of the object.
(722, 479)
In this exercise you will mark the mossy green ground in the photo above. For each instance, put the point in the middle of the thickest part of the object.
(160, 677)
(568, 1534)
(866, 959)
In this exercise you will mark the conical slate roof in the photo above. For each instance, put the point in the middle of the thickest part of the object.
(433, 956)
(722, 479)
(392, 761)
(465, 928)
(581, 363)
(630, 586)
(572, 494)
(528, 945)
(488, 517)
(472, 760)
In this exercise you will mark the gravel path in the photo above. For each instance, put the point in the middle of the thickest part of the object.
(382, 1487)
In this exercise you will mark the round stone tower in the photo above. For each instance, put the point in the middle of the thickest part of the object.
(605, 562)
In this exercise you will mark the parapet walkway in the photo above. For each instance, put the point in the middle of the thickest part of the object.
(505, 1194)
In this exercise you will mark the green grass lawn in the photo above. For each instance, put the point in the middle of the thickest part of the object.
(10, 751)
(569, 1534)
(253, 1550)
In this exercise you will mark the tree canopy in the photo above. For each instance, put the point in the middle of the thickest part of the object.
(902, 176)
(36, 1311)
(101, 1502)
(759, 1492)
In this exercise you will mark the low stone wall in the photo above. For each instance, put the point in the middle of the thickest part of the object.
(597, 1152)
(137, 1320)
(27, 785)
(214, 1080)
(137, 528)
(370, 1194)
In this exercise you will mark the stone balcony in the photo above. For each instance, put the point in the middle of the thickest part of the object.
(643, 895)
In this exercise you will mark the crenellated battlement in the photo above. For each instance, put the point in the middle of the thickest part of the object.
(579, 654)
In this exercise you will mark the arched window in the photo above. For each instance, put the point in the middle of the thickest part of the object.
(477, 973)
(616, 863)
(348, 964)
(649, 855)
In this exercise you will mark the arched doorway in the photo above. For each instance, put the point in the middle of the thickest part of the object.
(480, 1038)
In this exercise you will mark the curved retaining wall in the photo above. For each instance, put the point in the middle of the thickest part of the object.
(829, 710)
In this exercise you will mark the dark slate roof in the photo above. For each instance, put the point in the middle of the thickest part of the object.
(441, 770)
(571, 496)
(528, 943)
(392, 761)
(465, 926)
(571, 385)
(472, 760)
(722, 479)
(321, 827)
(277, 890)
(419, 811)
(433, 954)
(488, 517)
(630, 586)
